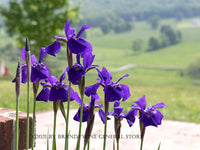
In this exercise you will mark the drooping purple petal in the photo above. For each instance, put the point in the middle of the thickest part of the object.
(157, 116)
(147, 120)
(53, 48)
(42, 54)
(82, 30)
(43, 95)
(77, 46)
(23, 54)
(126, 92)
(86, 114)
(112, 93)
(58, 94)
(39, 74)
(76, 73)
(102, 115)
(141, 102)
(91, 90)
(130, 116)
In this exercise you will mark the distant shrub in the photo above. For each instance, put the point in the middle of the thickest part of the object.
(137, 45)
(154, 44)
(122, 27)
(194, 68)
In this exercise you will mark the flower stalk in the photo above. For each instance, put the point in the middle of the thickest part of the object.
(105, 125)
(55, 108)
(28, 62)
(142, 132)
(67, 119)
(35, 89)
(82, 90)
(18, 87)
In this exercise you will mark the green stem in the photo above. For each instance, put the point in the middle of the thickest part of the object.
(33, 122)
(105, 125)
(67, 121)
(80, 124)
(54, 132)
(141, 144)
(142, 132)
(117, 144)
(17, 124)
(82, 90)
(27, 123)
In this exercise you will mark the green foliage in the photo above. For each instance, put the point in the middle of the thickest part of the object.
(137, 45)
(39, 20)
(154, 21)
(123, 27)
(168, 37)
(129, 10)
(105, 27)
(172, 36)
(154, 44)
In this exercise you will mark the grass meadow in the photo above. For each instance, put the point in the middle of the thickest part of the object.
(160, 75)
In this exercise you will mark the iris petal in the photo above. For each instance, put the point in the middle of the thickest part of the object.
(43, 95)
(102, 115)
(86, 114)
(77, 46)
(91, 90)
(113, 93)
(126, 92)
(53, 48)
(82, 30)
(39, 74)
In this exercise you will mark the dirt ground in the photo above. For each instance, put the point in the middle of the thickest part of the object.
(173, 135)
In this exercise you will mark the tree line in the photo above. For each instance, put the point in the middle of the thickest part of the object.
(168, 36)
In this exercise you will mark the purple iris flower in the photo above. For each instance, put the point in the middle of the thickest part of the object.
(87, 109)
(39, 70)
(78, 70)
(129, 116)
(58, 90)
(114, 91)
(76, 43)
(149, 116)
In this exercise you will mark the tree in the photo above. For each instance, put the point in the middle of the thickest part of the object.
(154, 21)
(39, 20)
(137, 45)
(172, 36)
(154, 44)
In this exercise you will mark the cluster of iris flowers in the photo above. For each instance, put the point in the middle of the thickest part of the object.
(59, 92)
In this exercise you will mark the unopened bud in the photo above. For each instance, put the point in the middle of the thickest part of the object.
(18, 79)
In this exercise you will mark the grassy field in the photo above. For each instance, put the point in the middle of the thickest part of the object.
(160, 75)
